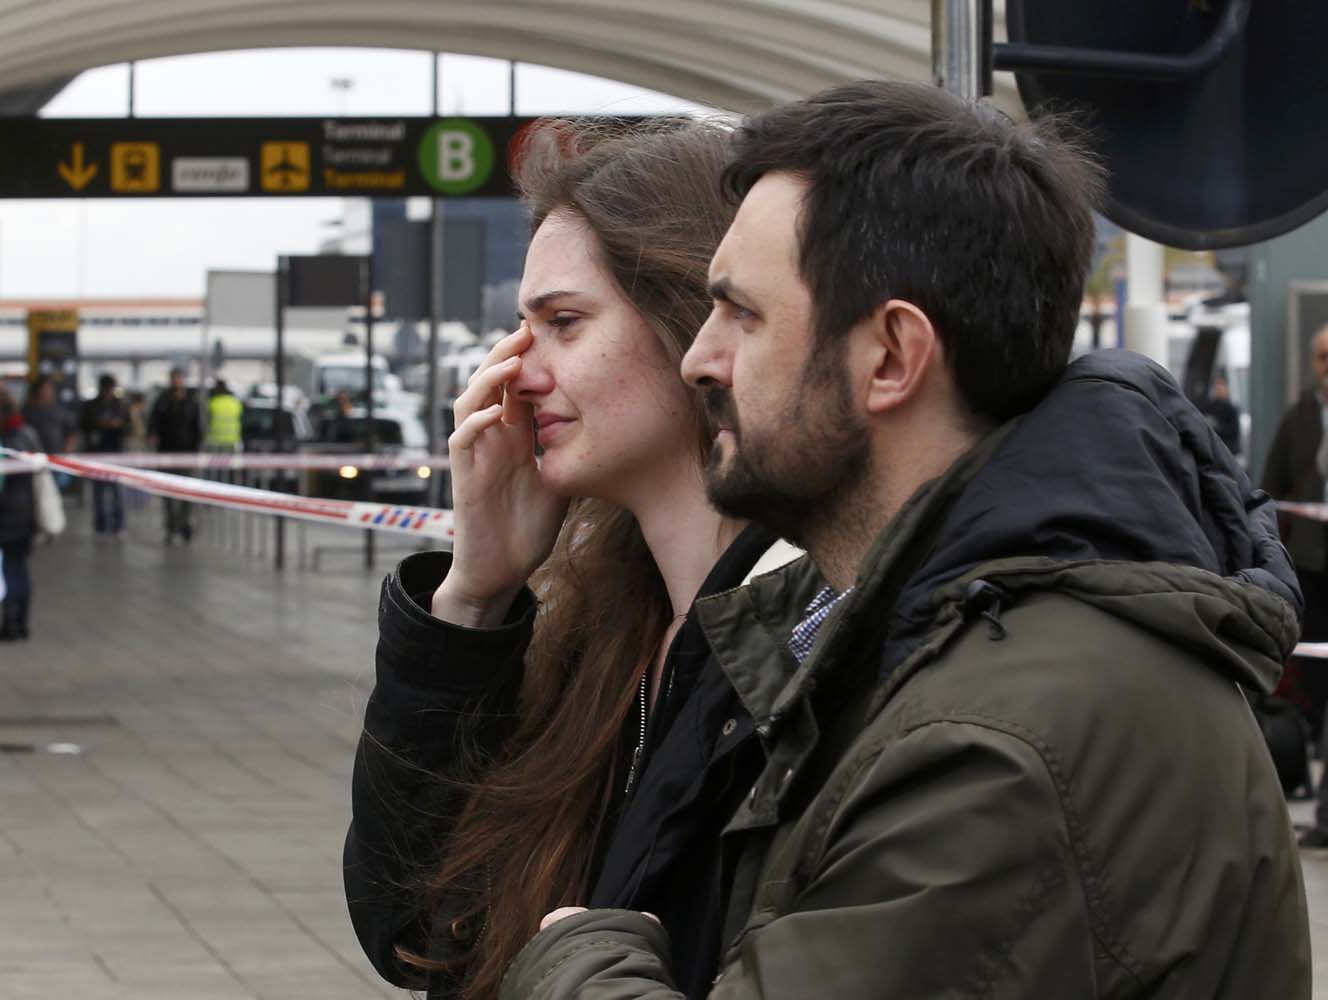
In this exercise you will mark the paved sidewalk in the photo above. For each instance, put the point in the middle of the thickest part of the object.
(192, 851)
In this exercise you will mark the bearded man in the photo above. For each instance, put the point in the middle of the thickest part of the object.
(1008, 753)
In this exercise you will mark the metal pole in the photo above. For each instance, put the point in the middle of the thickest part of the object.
(278, 430)
(431, 395)
(370, 438)
(433, 77)
(203, 363)
(435, 318)
(960, 30)
(132, 101)
(511, 88)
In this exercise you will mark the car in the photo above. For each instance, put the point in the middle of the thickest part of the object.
(396, 432)
(258, 425)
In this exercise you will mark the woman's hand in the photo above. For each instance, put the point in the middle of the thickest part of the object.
(506, 520)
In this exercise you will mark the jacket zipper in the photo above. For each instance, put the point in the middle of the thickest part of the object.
(641, 738)
(644, 731)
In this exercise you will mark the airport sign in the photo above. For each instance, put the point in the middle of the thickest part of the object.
(257, 157)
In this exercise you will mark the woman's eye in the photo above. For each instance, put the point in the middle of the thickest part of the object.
(741, 313)
(562, 321)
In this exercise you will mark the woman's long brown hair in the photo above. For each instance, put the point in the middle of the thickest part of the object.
(536, 819)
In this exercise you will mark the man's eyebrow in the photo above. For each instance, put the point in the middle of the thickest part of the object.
(724, 290)
(537, 302)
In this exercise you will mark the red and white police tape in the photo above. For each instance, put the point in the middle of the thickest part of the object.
(242, 461)
(425, 521)
(1314, 511)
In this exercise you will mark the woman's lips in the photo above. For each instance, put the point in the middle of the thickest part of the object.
(549, 427)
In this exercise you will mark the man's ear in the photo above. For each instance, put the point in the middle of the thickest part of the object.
(904, 346)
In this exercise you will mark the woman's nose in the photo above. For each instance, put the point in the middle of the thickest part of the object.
(535, 377)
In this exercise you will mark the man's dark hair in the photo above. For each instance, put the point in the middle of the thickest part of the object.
(984, 224)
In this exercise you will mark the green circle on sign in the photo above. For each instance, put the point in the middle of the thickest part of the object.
(456, 156)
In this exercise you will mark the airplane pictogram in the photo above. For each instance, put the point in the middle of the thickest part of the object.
(284, 166)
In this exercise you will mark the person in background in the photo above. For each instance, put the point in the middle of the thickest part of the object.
(136, 441)
(225, 430)
(105, 422)
(54, 425)
(343, 428)
(18, 522)
(1297, 469)
(173, 426)
(1222, 414)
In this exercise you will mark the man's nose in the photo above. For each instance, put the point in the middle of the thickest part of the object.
(707, 361)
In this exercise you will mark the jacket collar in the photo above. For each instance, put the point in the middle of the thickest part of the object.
(748, 628)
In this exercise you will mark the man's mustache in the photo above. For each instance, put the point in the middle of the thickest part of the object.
(719, 409)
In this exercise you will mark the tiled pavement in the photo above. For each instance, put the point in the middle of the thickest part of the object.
(192, 850)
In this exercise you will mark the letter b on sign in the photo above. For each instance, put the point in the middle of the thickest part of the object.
(456, 156)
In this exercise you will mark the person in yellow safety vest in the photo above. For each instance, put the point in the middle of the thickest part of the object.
(224, 413)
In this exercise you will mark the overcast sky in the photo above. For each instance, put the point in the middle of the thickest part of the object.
(164, 247)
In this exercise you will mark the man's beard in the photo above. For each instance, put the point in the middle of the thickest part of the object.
(793, 475)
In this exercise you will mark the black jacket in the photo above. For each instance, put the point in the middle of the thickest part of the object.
(174, 422)
(441, 686)
(18, 516)
(1291, 472)
(104, 423)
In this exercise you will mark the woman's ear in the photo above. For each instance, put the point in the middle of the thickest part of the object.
(904, 346)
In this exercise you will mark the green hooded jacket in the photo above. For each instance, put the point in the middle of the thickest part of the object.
(1018, 761)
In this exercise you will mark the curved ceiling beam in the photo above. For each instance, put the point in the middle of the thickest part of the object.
(740, 56)
(28, 101)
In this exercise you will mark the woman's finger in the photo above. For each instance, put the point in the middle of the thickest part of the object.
(484, 390)
(515, 412)
(509, 347)
(470, 429)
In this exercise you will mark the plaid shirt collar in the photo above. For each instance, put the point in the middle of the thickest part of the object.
(804, 634)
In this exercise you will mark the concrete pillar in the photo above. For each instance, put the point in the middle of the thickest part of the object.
(1145, 306)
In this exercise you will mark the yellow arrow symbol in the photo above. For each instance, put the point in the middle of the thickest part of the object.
(76, 173)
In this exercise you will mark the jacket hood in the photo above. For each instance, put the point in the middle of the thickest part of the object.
(1117, 490)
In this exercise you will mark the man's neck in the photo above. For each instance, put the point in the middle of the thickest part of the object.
(839, 537)
(839, 541)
